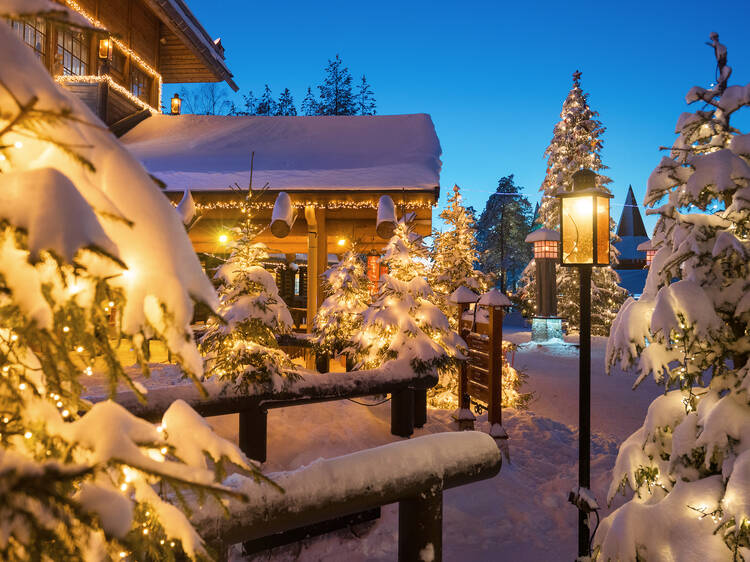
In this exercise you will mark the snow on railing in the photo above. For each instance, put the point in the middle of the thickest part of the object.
(413, 473)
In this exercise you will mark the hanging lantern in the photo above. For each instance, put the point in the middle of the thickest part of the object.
(584, 228)
(373, 271)
(176, 104)
(105, 48)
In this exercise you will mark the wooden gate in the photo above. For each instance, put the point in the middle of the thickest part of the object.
(480, 377)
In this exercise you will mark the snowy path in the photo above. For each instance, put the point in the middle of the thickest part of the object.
(522, 514)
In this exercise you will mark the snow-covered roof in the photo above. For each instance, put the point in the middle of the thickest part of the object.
(212, 152)
(542, 235)
(494, 297)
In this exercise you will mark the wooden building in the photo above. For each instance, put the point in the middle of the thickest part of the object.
(326, 174)
(118, 68)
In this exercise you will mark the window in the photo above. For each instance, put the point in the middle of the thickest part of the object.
(73, 52)
(546, 249)
(118, 60)
(33, 32)
(140, 84)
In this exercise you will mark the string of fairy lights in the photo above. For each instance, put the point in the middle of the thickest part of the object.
(244, 207)
(125, 49)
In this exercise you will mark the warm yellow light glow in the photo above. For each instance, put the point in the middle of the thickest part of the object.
(223, 239)
(578, 229)
(105, 48)
(176, 105)
(94, 79)
(342, 241)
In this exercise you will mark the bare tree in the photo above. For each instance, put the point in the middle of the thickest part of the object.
(208, 99)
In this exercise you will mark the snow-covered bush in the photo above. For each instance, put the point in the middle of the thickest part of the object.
(84, 229)
(687, 467)
(402, 323)
(576, 143)
(240, 345)
(340, 315)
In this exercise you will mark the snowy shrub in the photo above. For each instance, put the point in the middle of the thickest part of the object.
(687, 467)
(83, 230)
(576, 143)
(339, 317)
(402, 322)
(240, 345)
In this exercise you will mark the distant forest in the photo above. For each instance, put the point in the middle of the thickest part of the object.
(336, 96)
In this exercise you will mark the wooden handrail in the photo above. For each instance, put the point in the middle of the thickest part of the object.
(413, 473)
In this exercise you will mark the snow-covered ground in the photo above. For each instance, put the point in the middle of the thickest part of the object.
(522, 514)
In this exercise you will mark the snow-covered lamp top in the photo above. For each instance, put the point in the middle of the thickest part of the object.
(283, 216)
(546, 243)
(463, 295)
(494, 298)
(386, 222)
(650, 251)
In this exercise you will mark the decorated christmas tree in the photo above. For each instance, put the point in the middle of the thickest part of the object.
(83, 230)
(240, 345)
(402, 322)
(454, 255)
(340, 316)
(686, 469)
(576, 144)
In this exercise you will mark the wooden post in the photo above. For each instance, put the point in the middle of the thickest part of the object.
(464, 416)
(322, 254)
(420, 527)
(402, 412)
(495, 364)
(323, 362)
(420, 406)
(312, 276)
(253, 433)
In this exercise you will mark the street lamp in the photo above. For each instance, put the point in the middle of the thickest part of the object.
(584, 233)
(545, 324)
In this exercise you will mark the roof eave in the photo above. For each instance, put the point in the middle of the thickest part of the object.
(178, 17)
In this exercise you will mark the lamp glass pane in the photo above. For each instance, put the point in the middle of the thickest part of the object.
(578, 229)
(602, 230)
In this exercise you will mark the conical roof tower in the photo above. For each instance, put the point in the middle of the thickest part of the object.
(631, 232)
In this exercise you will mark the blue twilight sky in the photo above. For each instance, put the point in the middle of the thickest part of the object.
(493, 75)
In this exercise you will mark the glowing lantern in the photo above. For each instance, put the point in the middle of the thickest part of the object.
(176, 104)
(584, 228)
(105, 48)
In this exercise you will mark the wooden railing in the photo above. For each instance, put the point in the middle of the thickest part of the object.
(395, 378)
(412, 473)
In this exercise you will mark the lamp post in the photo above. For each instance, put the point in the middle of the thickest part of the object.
(545, 323)
(584, 233)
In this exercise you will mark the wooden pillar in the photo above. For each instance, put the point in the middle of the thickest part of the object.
(402, 412)
(253, 427)
(495, 364)
(312, 276)
(420, 526)
(463, 416)
(320, 217)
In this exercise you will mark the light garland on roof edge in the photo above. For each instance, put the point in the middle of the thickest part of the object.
(124, 48)
(95, 79)
(335, 204)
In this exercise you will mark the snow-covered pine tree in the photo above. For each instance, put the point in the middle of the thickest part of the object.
(266, 103)
(285, 105)
(402, 323)
(687, 467)
(340, 316)
(82, 482)
(336, 96)
(240, 346)
(310, 105)
(453, 256)
(576, 143)
(365, 98)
